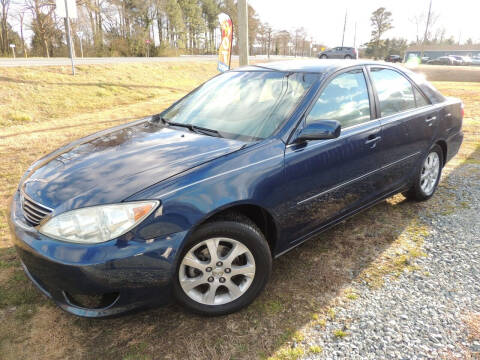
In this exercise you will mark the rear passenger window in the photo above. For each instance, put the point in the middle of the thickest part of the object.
(420, 98)
(344, 99)
(395, 92)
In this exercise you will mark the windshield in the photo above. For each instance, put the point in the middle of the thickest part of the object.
(245, 105)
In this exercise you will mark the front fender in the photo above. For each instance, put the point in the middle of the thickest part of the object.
(253, 176)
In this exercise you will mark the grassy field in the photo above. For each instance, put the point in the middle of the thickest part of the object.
(43, 108)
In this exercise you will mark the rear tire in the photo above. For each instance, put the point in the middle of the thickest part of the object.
(232, 277)
(347, 57)
(427, 177)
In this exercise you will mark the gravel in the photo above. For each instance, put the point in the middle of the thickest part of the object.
(419, 315)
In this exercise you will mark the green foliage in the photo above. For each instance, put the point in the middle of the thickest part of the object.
(381, 21)
(339, 333)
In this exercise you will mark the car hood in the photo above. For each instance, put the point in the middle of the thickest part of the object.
(112, 165)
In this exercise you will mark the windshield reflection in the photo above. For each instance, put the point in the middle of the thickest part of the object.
(243, 105)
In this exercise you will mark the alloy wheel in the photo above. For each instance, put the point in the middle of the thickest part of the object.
(216, 271)
(429, 174)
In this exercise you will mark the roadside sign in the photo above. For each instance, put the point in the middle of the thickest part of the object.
(12, 46)
(60, 8)
(225, 49)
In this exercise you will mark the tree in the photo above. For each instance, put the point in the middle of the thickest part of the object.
(210, 11)
(137, 28)
(282, 41)
(4, 27)
(381, 21)
(43, 24)
(21, 20)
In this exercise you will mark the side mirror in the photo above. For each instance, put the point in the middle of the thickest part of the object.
(320, 130)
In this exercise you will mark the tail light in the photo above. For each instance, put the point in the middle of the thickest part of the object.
(462, 107)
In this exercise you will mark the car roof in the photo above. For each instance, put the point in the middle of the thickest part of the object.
(312, 66)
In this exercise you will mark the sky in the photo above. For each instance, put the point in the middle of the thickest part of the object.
(323, 19)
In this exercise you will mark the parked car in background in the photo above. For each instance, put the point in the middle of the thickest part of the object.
(424, 59)
(393, 58)
(443, 60)
(195, 202)
(464, 60)
(458, 60)
(476, 60)
(339, 53)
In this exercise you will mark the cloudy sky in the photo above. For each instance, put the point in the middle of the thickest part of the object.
(324, 19)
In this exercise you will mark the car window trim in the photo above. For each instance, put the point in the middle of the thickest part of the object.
(410, 112)
(325, 82)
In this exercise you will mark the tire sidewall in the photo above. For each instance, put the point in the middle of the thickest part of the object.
(249, 237)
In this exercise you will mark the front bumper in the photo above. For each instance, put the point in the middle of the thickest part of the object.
(122, 274)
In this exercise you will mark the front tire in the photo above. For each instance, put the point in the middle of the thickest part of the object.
(223, 268)
(427, 178)
(323, 56)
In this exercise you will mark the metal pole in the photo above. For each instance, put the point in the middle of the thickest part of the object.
(242, 9)
(344, 27)
(69, 38)
(13, 51)
(355, 37)
(426, 29)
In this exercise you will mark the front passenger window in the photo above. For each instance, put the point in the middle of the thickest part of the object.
(344, 99)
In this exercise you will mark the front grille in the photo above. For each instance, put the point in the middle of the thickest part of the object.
(34, 212)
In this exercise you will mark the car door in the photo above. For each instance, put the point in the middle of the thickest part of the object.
(407, 119)
(326, 179)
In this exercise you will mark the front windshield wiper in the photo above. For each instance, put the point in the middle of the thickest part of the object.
(193, 128)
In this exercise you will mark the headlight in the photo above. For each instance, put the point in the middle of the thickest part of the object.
(97, 224)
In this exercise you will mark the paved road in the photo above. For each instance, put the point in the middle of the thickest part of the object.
(112, 60)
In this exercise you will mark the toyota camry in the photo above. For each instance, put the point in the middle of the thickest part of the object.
(193, 203)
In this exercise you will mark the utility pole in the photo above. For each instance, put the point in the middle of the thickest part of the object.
(242, 9)
(344, 27)
(426, 29)
(355, 36)
(69, 38)
(269, 32)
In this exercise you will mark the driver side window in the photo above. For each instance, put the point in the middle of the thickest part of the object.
(344, 99)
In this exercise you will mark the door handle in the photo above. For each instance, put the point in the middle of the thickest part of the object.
(429, 120)
(372, 139)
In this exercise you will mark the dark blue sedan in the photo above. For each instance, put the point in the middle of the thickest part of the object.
(194, 203)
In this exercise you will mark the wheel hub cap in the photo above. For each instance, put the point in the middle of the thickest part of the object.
(430, 172)
(216, 271)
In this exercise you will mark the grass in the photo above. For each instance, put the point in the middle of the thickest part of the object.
(382, 241)
(339, 333)
(315, 349)
(45, 93)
